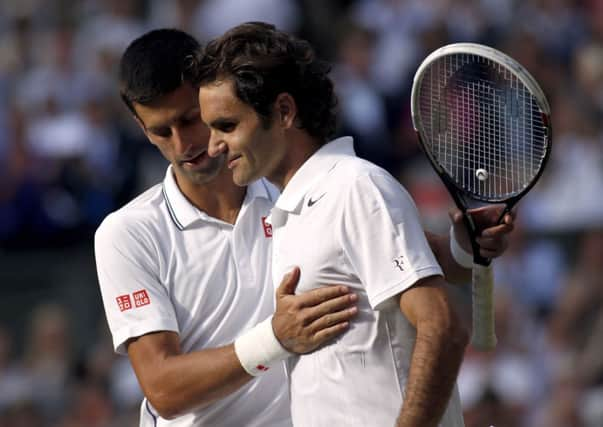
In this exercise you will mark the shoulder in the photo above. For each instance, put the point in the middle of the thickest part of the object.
(140, 217)
(364, 186)
(353, 172)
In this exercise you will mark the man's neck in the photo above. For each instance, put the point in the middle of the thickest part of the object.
(220, 198)
(299, 151)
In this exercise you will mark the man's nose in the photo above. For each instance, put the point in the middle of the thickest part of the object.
(216, 146)
(183, 140)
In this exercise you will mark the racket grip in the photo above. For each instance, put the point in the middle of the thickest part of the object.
(484, 335)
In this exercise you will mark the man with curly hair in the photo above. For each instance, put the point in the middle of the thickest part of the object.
(270, 107)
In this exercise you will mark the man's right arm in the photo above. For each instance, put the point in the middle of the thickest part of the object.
(176, 382)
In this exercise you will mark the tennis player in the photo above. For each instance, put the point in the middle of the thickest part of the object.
(184, 269)
(269, 104)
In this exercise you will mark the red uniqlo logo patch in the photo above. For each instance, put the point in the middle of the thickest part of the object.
(124, 302)
(141, 298)
(267, 227)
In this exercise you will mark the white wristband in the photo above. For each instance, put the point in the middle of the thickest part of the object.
(258, 348)
(460, 255)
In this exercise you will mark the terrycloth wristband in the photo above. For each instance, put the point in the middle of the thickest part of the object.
(258, 348)
(460, 255)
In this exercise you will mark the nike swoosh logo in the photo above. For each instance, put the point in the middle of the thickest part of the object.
(311, 202)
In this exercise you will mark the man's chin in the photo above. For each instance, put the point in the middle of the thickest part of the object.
(202, 175)
(242, 180)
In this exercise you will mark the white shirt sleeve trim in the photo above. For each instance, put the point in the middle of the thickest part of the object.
(403, 285)
(137, 329)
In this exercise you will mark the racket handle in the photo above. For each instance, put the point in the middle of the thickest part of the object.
(484, 335)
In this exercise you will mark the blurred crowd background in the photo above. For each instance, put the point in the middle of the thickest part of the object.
(70, 153)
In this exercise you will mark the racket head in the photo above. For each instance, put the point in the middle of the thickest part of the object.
(482, 120)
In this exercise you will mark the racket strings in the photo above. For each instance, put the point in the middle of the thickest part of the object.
(485, 127)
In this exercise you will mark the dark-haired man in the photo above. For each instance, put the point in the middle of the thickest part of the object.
(184, 268)
(269, 104)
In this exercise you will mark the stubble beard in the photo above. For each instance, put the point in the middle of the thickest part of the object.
(205, 175)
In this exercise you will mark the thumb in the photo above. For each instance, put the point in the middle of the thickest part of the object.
(456, 216)
(288, 283)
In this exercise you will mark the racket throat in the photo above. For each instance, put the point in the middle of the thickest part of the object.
(474, 232)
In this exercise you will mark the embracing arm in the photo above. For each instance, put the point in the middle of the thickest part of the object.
(176, 382)
(492, 242)
(437, 354)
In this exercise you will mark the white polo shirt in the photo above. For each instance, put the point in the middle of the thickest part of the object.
(344, 220)
(164, 265)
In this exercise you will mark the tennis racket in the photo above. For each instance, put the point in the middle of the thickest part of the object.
(484, 124)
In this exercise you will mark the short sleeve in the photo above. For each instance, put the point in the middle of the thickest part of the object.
(135, 301)
(383, 238)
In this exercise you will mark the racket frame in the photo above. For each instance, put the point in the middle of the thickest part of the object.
(484, 336)
(457, 193)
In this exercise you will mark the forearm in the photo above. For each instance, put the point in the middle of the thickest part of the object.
(176, 383)
(435, 363)
(453, 272)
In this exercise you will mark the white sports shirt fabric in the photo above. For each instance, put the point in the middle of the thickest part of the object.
(164, 265)
(344, 220)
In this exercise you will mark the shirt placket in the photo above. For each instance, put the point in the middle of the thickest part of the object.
(243, 254)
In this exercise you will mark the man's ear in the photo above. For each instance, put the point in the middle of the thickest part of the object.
(285, 110)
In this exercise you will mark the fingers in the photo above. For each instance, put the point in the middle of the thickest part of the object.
(510, 216)
(456, 216)
(487, 218)
(322, 294)
(288, 283)
(486, 215)
(332, 311)
(498, 230)
(329, 320)
(329, 333)
(491, 247)
(487, 211)
(303, 322)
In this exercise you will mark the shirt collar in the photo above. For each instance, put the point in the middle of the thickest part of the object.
(313, 169)
(184, 213)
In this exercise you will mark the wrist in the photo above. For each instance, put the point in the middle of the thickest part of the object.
(460, 255)
(258, 348)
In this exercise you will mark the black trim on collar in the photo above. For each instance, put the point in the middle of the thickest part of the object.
(171, 209)
(146, 404)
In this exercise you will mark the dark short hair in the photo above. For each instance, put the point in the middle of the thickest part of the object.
(155, 64)
(264, 62)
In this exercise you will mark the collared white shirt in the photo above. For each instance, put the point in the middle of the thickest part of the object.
(343, 220)
(164, 265)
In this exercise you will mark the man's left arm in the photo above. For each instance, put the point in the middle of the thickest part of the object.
(492, 241)
(437, 354)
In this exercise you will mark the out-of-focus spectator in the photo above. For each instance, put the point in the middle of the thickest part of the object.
(532, 270)
(213, 17)
(107, 31)
(503, 384)
(48, 358)
(574, 175)
(15, 386)
(362, 108)
(173, 14)
(577, 325)
(22, 414)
